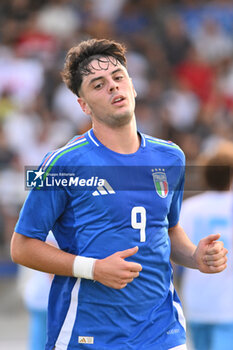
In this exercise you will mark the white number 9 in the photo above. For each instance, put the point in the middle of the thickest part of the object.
(139, 225)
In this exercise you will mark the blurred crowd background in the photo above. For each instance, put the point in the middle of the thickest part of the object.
(180, 57)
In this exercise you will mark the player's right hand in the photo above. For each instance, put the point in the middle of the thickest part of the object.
(114, 271)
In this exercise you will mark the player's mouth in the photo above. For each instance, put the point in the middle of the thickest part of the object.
(118, 100)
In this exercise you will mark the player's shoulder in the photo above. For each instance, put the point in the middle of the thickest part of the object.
(165, 146)
(65, 154)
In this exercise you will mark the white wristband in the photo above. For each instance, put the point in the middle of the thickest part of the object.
(83, 267)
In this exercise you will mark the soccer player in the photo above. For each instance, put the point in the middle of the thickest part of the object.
(210, 317)
(116, 226)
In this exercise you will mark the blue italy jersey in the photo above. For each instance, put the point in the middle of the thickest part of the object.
(98, 202)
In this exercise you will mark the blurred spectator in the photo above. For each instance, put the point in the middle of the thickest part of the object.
(182, 106)
(58, 18)
(147, 120)
(210, 317)
(107, 12)
(132, 20)
(21, 130)
(225, 80)
(6, 105)
(6, 153)
(197, 74)
(66, 107)
(12, 197)
(138, 67)
(7, 159)
(212, 43)
(215, 120)
(175, 39)
(191, 144)
(22, 78)
(195, 12)
(35, 43)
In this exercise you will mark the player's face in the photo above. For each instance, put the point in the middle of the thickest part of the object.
(107, 93)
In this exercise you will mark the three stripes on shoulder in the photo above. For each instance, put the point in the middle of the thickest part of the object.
(103, 190)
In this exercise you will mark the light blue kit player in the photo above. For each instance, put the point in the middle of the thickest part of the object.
(114, 211)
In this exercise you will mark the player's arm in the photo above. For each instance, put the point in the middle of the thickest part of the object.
(40, 255)
(113, 271)
(209, 256)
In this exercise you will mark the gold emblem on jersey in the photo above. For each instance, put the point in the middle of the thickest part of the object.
(85, 340)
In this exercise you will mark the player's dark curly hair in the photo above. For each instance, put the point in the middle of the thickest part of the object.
(78, 58)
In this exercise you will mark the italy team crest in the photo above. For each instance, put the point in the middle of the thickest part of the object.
(160, 182)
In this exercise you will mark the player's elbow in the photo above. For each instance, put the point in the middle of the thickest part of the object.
(17, 248)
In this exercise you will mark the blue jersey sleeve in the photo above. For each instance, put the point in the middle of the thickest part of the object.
(40, 211)
(174, 212)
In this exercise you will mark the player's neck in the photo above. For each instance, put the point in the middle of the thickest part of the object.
(123, 140)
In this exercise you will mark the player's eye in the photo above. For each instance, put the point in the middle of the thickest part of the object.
(119, 77)
(98, 86)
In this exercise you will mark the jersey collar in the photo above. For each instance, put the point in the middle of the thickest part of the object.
(97, 143)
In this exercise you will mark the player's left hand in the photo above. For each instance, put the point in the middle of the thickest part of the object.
(210, 255)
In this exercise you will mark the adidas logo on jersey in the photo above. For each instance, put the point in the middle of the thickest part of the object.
(86, 340)
(103, 190)
(82, 340)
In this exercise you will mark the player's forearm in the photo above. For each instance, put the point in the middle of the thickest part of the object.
(182, 249)
(41, 256)
(112, 271)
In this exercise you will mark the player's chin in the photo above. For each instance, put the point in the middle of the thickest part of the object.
(121, 119)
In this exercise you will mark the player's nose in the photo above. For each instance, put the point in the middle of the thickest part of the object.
(112, 86)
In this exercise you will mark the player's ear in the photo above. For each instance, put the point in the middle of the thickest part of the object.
(135, 92)
(84, 105)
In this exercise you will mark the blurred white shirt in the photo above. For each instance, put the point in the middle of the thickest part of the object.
(208, 298)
